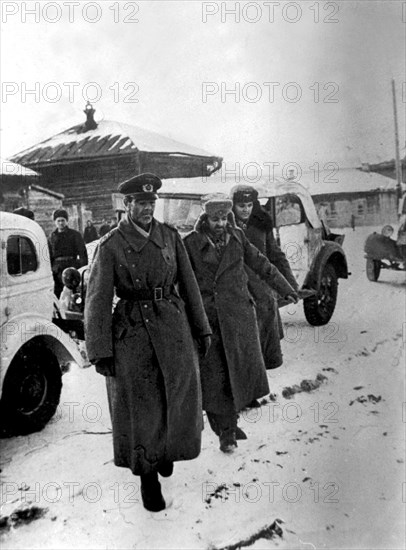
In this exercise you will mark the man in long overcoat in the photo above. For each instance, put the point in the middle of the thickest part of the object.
(233, 373)
(257, 226)
(146, 347)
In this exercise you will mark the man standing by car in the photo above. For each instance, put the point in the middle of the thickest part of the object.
(258, 227)
(66, 247)
(145, 348)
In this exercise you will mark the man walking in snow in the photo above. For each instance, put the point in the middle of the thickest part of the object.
(145, 348)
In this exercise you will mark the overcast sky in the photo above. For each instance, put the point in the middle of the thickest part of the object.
(182, 55)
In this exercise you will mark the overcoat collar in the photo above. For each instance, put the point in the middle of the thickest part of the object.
(135, 239)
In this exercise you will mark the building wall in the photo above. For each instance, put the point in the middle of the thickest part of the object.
(42, 204)
(370, 208)
(88, 186)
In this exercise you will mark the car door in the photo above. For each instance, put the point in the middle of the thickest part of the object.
(27, 278)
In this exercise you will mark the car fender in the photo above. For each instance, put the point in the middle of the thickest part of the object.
(380, 247)
(330, 252)
(18, 331)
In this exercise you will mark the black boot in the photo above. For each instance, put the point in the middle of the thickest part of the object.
(255, 404)
(240, 434)
(228, 441)
(151, 493)
(165, 469)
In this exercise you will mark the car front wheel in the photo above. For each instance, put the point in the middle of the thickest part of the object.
(319, 309)
(31, 391)
(373, 269)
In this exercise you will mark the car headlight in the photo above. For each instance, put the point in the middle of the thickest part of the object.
(71, 278)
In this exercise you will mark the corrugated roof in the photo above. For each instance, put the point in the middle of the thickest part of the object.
(109, 138)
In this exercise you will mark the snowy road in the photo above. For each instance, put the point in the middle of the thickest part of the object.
(326, 464)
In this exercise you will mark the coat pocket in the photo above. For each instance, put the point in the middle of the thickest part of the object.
(168, 255)
(123, 332)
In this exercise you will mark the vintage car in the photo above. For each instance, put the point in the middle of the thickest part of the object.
(315, 253)
(384, 252)
(36, 338)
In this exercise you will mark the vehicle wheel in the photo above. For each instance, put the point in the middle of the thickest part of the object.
(319, 309)
(31, 391)
(373, 269)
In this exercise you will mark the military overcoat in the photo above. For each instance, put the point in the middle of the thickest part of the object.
(155, 395)
(260, 234)
(235, 354)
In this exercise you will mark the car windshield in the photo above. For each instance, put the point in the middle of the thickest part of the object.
(287, 210)
(182, 213)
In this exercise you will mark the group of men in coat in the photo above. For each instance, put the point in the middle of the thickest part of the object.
(185, 335)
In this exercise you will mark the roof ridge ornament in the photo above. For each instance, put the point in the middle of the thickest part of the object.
(90, 123)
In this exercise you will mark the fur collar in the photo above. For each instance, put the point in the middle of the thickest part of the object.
(260, 218)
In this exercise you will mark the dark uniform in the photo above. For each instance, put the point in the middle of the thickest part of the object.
(90, 234)
(233, 373)
(67, 249)
(259, 231)
(154, 395)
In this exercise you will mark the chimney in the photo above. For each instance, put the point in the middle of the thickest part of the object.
(90, 123)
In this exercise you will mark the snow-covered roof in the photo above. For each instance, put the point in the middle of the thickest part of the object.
(108, 138)
(10, 169)
(345, 180)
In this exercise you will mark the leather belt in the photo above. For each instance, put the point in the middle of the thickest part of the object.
(144, 294)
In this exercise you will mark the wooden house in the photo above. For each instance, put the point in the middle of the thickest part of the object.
(370, 197)
(18, 187)
(87, 162)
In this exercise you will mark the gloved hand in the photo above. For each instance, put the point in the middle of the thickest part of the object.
(306, 293)
(105, 366)
(203, 344)
(292, 298)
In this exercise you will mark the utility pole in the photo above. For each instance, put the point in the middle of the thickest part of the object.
(397, 158)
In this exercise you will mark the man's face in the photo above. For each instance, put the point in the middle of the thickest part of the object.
(141, 212)
(243, 210)
(61, 223)
(217, 223)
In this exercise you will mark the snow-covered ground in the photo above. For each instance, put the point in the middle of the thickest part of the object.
(320, 469)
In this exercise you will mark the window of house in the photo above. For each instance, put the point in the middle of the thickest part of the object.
(21, 255)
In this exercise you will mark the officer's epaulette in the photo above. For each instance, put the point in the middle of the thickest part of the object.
(107, 236)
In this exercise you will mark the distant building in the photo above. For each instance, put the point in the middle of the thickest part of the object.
(387, 168)
(370, 197)
(87, 162)
(19, 187)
